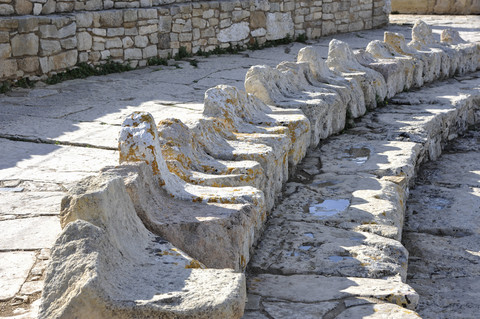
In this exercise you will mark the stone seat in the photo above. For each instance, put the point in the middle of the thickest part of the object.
(398, 71)
(220, 108)
(187, 159)
(220, 235)
(139, 141)
(287, 87)
(207, 132)
(341, 59)
(456, 56)
(349, 90)
(397, 42)
(251, 115)
(466, 54)
(106, 264)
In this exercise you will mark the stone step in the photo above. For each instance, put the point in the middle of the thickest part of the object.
(314, 296)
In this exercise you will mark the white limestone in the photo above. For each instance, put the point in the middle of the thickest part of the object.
(341, 59)
(138, 141)
(107, 264)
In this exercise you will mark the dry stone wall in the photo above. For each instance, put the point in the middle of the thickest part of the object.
(196, 195)
(45, 37)
(436, 6)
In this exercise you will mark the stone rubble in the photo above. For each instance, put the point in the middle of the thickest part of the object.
(306, 238)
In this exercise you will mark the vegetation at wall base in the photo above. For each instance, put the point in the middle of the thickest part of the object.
(83, 70)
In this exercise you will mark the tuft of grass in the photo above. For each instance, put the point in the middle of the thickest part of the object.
(83, 70)
(302, 38)
(182, 54)
(5, 87)
(193, 62)
(157, 61)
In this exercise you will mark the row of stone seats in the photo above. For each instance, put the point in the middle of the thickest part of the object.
(206, 186)
(362, 80)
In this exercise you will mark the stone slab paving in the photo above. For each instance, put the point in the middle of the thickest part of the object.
(442, 232)
(52, 136)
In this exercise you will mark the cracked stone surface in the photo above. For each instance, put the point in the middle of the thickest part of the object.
(53, 136)
(442, 232)
(355, 185)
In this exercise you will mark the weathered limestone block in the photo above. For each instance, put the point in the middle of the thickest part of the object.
(25, 44)
(312, 289)
(186, 158)
(341, 59)
(8, 68)
(138, 141)
(5, 51)
(349, 90)
(358, 202)
(224, 103)
(106, 264)
(350, 154)
(327, 251)
(287, 87)
(208, 136)
(218, 235)
(397, 70)
(279, 25)
(432, 117)
(236, 32)
(62, 60)
(6, 9)
(424, 42)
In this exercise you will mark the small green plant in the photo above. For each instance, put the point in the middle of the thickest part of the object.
(5, 87)
(395, 12)
(83, 70)
(254, 46)
(157, 61)
(182, 54)
(302, 38)
(25, 83)
(193, 62)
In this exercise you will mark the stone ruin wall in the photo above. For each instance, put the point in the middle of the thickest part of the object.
(436, 6)
(42, 37)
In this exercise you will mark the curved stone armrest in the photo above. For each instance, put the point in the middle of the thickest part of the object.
(397, 72)
(396, 41)
(467, 55)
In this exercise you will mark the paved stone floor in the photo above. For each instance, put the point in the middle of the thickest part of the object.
(52, 136)
(442, 232)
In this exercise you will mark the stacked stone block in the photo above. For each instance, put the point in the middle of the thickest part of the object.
(61, 34)
(436, 6)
